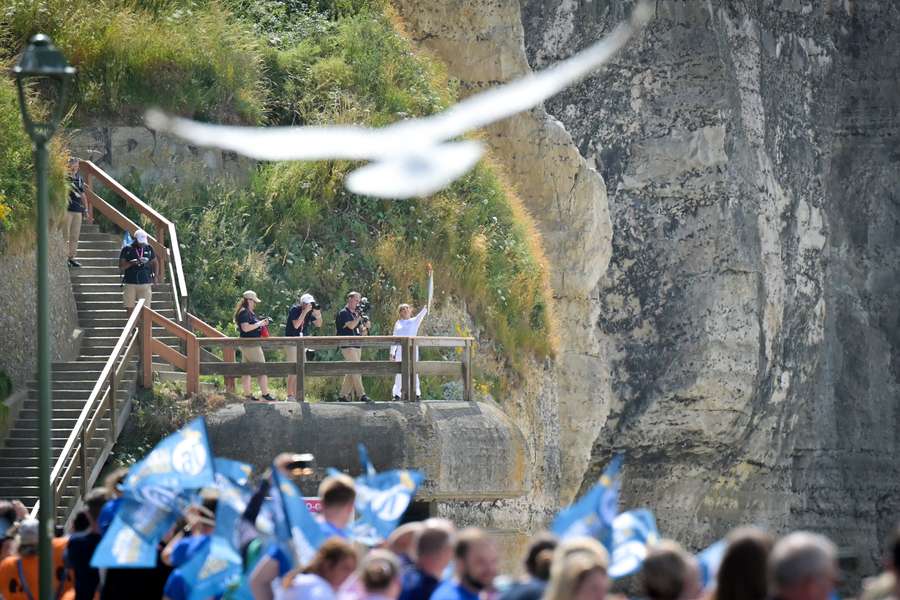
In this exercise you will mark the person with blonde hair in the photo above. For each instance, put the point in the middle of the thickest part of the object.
(333, 563)
(408, 326)
(379, 574)
(250, 326)
(578, 571)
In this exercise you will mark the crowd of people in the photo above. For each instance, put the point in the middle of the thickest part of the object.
(425, 560)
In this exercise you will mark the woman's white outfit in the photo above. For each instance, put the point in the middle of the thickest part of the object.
(406, 328)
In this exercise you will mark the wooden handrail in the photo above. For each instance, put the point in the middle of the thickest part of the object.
(164, 227)
(195, 323)
(92, 403)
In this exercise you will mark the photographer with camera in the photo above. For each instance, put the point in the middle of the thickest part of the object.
(250, 326)
(352, 320)
(140, 267)
(302, 317)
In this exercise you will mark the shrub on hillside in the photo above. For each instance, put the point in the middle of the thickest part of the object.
(17, 189)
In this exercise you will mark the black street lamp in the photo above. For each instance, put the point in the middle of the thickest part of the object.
(43, 63)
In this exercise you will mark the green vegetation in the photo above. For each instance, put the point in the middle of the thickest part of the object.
(17, 192)
(295, 227)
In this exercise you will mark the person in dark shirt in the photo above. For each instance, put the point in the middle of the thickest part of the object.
(75, 211)
(302, 317)
(350, 322)
(140, 269)
(433, 551)
(538, 560)
(251, 327)
(81, 548)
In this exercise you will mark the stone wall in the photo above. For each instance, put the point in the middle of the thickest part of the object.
(475, 458)
(751, 310)
(18, 318)
(139, 153)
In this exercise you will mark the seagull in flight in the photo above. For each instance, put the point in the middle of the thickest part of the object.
(414, 157)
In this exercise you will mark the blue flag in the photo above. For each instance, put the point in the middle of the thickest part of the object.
(367, 466)
(230, 506)
(633, 532)
(149, 519)
(593, 515)
(294, 524)
(235, 470)
(381, 500)
(709, 561)
(122, 547)
(212, 570)
(182, 461)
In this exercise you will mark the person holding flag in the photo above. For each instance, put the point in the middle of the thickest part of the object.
(408, 326)
(331, 566)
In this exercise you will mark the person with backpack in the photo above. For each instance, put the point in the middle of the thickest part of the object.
(140, 268)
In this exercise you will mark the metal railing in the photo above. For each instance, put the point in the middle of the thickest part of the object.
(170, 256)
(85, 452)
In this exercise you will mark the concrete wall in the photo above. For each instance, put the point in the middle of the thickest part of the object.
(18, 314)
(468, 451)
(137, 152)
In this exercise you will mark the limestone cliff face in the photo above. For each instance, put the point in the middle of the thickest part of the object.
(482, 43)
(750, 315)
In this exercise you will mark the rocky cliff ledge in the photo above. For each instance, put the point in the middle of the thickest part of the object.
(751, 312)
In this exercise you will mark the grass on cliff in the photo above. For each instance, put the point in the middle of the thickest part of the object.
(17, 187)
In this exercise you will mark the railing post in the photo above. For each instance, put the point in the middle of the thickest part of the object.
(301, 370)
(146, 351)
(113, 389)
(82, 459)
(193, 365)
(229, 355)
(413, 369)
(467, 371)
(88, 186)
(404, 369)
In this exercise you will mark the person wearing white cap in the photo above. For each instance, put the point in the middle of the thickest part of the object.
(250, 326)
(408, 326)
(140, 269)
(302, 317)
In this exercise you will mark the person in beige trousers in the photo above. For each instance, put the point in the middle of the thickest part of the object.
(351, 322)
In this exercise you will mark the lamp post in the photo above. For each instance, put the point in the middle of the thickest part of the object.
(42, 62)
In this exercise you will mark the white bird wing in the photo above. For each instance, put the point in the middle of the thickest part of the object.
(417, 175)
(506, 100)
(279, 143)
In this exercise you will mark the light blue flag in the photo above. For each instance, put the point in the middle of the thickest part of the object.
(213, 570)
(304, 532)
(235, 470)
(230, 506)
(709, 561)
(122, 547)
(633, 532)
(381, 500)
(182, 461)
(593, 515)
(151, 519)
(367, 466)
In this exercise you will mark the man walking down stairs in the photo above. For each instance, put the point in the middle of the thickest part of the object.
(102, 317)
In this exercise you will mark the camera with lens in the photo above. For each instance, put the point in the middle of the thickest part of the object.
(364, 307)
(315, 305)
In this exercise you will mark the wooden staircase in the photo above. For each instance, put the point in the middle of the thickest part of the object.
(101, 315)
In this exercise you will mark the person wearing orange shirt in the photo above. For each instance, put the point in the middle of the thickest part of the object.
(19, 572)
